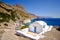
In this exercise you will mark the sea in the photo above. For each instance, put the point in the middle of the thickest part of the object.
(49, 21)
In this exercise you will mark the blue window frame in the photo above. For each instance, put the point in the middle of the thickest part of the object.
(35, 29)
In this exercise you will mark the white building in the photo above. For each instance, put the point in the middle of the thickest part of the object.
(35, 30)
(38, 27)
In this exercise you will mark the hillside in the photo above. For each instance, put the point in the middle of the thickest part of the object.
(15, 12)
(9, 14)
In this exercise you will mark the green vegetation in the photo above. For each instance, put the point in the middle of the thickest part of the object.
(5, 17)
(24, 27)
(13, 16)
(12, 13)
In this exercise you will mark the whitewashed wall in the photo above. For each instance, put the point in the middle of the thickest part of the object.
(42, 27)
(39, 29)
(35, 24)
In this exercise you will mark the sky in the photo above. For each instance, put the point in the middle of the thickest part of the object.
(47, 8)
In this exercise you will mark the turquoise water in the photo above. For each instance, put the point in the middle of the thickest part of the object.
(49, 21)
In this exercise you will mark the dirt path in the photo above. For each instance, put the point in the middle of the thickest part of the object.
(10, 34)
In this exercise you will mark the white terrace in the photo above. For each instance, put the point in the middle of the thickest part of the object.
(35, 30)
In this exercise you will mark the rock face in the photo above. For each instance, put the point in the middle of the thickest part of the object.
(15, 12)
(32, 16)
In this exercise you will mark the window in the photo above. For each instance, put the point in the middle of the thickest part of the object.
(43, 26)
(35, 29)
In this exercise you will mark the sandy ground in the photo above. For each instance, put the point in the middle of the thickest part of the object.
(52, 35)
(10, 34)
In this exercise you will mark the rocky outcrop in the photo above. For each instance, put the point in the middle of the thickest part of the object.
(15, 12)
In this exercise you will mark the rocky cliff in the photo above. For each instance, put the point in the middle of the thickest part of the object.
(14, 12)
